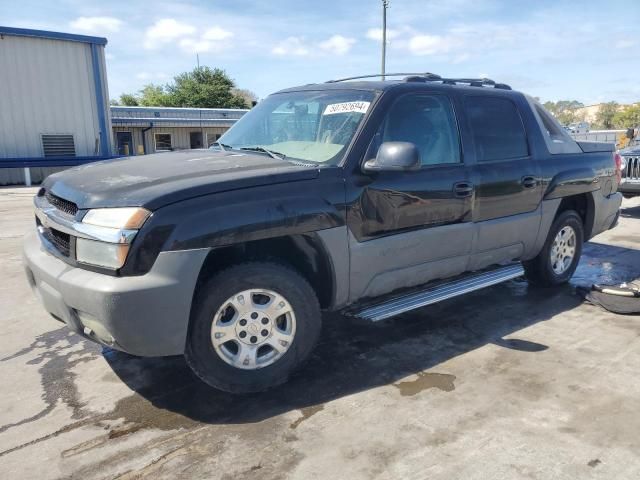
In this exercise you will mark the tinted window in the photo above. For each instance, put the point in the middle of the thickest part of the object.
(497, 128)
(428, 122)
(555, 136)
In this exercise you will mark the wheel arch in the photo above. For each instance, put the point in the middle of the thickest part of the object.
(305, 253)
(584, 205)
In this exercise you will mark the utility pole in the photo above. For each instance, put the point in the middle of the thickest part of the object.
(385, 5)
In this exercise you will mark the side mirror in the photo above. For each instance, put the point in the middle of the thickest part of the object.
(394, 156)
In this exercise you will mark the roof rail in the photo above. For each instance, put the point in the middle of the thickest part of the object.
(428, 75)
(432, 77)
(473, 82)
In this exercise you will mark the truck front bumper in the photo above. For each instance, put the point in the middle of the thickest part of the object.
(629, 187)
(145, 315)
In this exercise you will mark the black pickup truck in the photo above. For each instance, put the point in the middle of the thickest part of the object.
(368, 197)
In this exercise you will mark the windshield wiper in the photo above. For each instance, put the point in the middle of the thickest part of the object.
(223, 146)
(271, 153)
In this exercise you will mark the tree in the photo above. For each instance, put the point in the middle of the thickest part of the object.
(628, 117)
(203, 87)
(154, 96)
(564, 110)
(128, 100)
(248, 95)
(605, 115)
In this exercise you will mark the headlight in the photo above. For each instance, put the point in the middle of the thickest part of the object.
(111, 231)
(102, 254)
(130, 218)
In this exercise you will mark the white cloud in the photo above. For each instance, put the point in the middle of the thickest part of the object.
(96, 24)
(461, 57)
(299, 47)
(291, 46)
(151, 76)
(431, 44)
(166, 30)
(217, 34)
(376, 34)
(191, 45)
(625, 43)
(337, 45)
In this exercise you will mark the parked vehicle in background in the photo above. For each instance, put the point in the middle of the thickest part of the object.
(579, 127)
(630, 181)
(367, 197)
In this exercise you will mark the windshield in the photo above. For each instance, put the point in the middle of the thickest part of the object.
(314, 126)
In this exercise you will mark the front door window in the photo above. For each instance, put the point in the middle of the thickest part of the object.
(428, 122)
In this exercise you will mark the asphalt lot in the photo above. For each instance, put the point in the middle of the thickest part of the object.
(508, 382)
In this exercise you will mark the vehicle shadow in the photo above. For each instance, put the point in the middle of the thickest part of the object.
(630, 212)
(354, 355)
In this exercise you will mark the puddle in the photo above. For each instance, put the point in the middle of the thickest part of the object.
(307, 413)
(425, 381)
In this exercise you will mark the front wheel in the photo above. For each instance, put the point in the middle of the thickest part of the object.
(252, 326)
(559, 257)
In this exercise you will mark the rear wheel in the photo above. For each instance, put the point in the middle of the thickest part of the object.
(253, 325)
(560, 255)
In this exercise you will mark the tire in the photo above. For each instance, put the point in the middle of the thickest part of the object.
(222, 357)
(542, 270)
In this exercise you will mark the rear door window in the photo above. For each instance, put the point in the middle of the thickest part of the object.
(496, 127)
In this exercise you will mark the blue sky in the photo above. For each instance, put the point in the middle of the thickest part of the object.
(584, 50)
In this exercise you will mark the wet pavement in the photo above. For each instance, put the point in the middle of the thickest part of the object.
(507, 382)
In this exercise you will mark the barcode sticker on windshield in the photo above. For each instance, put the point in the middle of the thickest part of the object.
(347, 107)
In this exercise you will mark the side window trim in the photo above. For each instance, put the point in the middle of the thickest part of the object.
(528, 156)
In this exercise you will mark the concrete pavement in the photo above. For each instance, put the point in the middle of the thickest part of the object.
(508, 382)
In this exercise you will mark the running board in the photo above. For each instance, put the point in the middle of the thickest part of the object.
(439, 293)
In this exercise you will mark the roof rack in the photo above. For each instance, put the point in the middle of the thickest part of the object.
(432, 77)
(420, 74)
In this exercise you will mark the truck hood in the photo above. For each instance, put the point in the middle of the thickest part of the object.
(153, 181)
(634, 150)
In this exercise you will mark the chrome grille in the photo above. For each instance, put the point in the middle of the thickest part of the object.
(61, 241)
(61, 204)
(632, 169)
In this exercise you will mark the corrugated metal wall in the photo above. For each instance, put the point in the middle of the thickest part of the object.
(46, 86)
(15, 176)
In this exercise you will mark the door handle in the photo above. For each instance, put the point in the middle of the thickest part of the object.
(529, 182)
(463, 189)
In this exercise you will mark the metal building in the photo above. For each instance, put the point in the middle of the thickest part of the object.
(53, 103)
(140, 130)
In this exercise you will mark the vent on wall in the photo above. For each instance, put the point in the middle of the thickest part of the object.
(58, 146)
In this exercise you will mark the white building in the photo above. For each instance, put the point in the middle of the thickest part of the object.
(54, 109)
(140, 130)
(53, 103)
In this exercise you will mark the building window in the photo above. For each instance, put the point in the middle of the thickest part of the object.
(58, 146)
(213, 138)
(163, 141)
